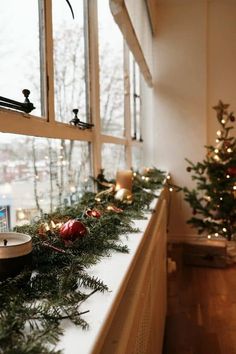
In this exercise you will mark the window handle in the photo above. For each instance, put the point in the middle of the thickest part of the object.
(25, 106)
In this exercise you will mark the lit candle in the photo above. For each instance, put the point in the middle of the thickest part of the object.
(15, 253)
(124, 179)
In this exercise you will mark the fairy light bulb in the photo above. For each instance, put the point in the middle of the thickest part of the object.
(229, 150)
(217, 140)
(171, 189)
(216, 234)
(216, 157)
(218, 133)
(224, 229)
(221, 198)
(168, 177)
(209, 236)
(143, 177)
(134, 174)
(234, 188)
(216, 151)
(223, 121)
(227, 176)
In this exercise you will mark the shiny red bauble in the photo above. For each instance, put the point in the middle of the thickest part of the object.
(72, 230)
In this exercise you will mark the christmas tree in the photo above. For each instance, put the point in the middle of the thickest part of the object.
(214, 200)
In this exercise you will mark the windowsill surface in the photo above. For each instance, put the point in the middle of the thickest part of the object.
(111, 270)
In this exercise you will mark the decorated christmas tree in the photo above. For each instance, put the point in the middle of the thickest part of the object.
(213, 201)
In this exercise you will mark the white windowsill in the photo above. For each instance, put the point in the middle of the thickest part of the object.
(111, 270)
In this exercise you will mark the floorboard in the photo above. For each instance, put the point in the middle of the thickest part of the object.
(201, 317)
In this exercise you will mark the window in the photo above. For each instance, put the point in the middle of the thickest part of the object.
(113, 159)
(66, 63)
(19, 51)
(111, 72)
(135, 100)
(69, 60)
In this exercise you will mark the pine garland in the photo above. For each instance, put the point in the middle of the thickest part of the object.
(34, 303)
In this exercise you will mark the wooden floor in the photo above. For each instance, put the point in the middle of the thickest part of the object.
(201, 316)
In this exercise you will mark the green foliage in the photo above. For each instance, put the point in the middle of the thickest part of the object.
(34, 303)
(214, 199)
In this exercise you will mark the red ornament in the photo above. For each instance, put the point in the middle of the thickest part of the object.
(231, 171)
(93, 213)
(72, 230)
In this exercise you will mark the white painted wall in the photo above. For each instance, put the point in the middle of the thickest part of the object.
(195, 65)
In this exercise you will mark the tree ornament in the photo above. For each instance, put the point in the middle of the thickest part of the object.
(124, 196)
(72, 230)
(231, 171)
(114, 209)
(47, 228)
(232, 117)
(109, 191)
(93, 213)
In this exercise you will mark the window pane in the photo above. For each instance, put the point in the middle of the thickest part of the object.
(19, 52)
(69, 60)
(137, 158)
(135, 99)
(113, 159)
(111, 72)
(39, 174)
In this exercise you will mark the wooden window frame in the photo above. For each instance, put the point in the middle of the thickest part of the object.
(47, 126)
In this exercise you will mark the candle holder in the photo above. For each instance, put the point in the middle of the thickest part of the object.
(15, 253)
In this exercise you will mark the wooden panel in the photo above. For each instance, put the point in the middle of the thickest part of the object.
(122, 18)
(136, 321)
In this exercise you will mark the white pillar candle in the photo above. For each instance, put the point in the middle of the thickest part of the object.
(124, 179)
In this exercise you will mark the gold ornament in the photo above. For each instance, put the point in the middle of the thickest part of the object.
(124, 196)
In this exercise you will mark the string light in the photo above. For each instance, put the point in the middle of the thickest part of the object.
(216, 151)
(143, 177)
(171, 189)
(146, 179)
(227, 176)
(216, 234)
(168, 177)
(216, 157)
(72, 189)
(218, 133)
(229, 150)
(234, 188)
(209, 236)
(217, 140)
(134, 174)
(224, 229)
(223, 121)
(221, 198)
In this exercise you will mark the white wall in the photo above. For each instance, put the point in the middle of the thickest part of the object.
(195, 65)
